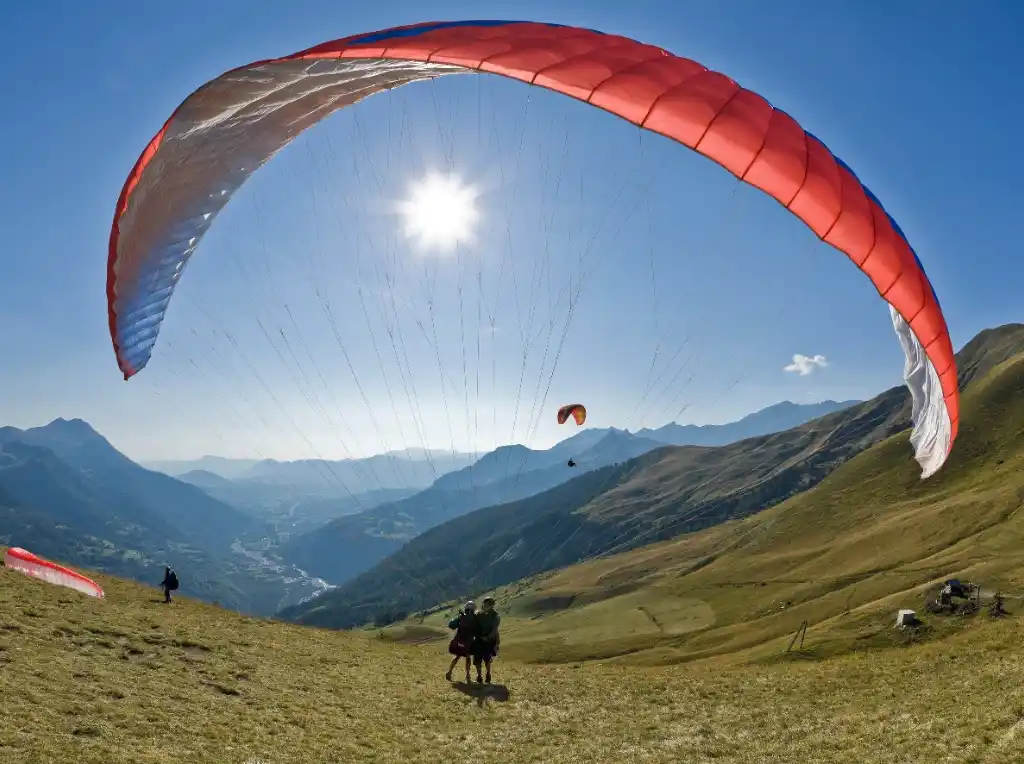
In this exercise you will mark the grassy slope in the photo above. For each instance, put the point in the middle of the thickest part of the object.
(845, 555)
(130, 680)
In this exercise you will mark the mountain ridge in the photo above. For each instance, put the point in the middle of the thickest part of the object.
(775, 418)
(77, 444)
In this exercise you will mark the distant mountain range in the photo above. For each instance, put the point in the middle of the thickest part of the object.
(352, 544)
(410, 468)
(287, 508)
(776, 418)
(298, 496)
(218, 465)
(781, 416)
(657, 496)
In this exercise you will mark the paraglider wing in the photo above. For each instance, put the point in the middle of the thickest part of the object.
(25, 562)
(233, 124)
(576, 410)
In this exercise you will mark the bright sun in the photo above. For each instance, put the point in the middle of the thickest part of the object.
(440, 212)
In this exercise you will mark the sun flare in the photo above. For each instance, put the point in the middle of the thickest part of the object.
(440, 212)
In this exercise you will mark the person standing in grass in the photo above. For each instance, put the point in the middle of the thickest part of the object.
(485, 647)
(170, 583)
(461, 646)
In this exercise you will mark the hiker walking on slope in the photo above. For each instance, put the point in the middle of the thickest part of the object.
(169, 584)
(485, 647)
(461, 645)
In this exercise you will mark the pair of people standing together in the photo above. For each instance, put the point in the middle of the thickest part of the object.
(476, 637)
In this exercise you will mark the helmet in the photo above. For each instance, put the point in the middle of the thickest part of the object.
(469, 607)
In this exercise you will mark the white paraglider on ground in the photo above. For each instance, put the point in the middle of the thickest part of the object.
(25, 562)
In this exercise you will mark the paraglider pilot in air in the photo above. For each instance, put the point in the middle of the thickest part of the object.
(579, 414)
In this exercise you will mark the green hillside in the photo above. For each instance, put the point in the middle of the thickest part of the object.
(127, 680)
(844, 556)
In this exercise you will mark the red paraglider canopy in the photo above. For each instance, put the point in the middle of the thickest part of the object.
(233, 124)
(25, 562)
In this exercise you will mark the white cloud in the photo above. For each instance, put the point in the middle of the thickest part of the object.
(804, 365)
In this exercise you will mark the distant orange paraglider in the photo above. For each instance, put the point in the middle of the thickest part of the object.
(576, 410)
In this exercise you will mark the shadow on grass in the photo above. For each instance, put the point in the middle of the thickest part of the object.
(484, 692)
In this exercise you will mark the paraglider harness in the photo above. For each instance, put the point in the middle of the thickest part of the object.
(172, 581)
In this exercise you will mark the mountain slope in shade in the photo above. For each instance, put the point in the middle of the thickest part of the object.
(59, 511)
(352, 544)
(65, 492)
(210, 524)
(32, 476)
(658, 496)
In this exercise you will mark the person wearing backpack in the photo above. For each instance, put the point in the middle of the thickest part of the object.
(485, 648)
(461, 646)
(169, 584)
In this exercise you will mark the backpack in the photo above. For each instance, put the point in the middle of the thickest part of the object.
(172, 581)
(465, 629)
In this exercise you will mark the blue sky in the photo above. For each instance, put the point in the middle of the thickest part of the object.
(917, 97)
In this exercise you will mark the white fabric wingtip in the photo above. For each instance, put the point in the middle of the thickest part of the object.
(932, 431)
